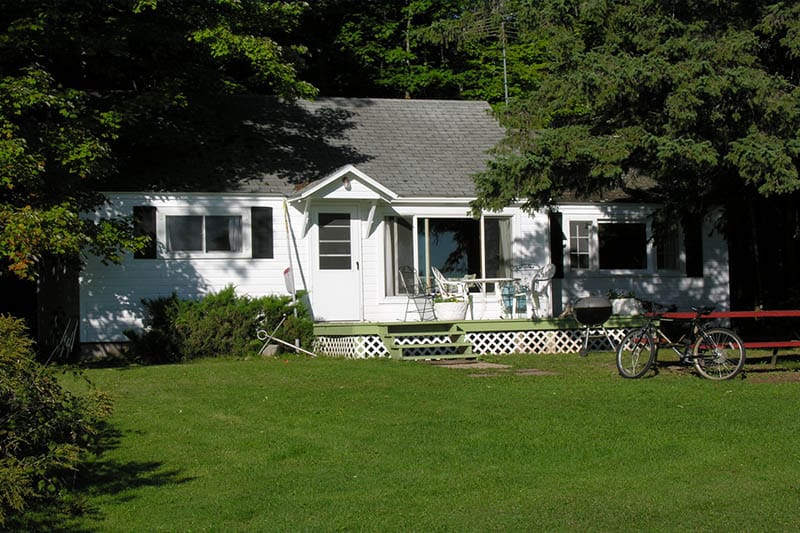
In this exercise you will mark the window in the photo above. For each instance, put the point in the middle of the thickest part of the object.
(668, 251)
(183, 232)
(334, 241)
(144, 225)
(625, 244)
(622, 246)
(262, 242)
(456, 246)
(579, 240)
(453, 245)
(195, 233)
(398, 251)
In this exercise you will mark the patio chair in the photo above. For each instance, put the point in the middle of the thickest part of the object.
(539, 285)
(515, 295)
(448, 288)
(418, 293)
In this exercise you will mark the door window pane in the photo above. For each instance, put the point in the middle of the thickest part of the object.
(334, 241)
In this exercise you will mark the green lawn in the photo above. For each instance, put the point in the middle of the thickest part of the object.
(379, 445)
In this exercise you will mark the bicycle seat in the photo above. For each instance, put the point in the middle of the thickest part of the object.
(702, 309)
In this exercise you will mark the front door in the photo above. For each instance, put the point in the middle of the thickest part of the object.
(336, 293)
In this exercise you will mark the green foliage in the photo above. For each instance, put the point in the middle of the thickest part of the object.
(46, 432)
(422, 48)
(700, 99)
(86, 88)
(218, 325)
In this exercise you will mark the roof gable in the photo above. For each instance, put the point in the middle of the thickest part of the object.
(346, 183)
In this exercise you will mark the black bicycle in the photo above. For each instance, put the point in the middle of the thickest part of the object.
(716, 352)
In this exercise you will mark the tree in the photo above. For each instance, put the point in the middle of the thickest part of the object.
(699, 100)
(421, 48)
(82, 83)
(46, 432)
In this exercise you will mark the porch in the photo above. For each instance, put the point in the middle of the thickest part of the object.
(439, 339)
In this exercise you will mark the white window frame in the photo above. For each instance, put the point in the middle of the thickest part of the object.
(161, 231)
(418, 219)
(594, 246)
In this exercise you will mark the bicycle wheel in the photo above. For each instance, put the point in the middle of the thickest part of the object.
(635, 353)
(718, 354)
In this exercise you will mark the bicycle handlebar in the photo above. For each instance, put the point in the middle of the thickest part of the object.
(657, 309)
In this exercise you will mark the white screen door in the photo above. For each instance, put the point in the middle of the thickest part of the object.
(337, 278)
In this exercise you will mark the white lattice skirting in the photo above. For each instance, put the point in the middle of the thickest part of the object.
(483, 343)
(356, 346)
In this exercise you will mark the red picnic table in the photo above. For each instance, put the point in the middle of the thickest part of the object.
(774, 345)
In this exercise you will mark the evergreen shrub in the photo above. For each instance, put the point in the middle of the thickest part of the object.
(217, 325)
(46, 433)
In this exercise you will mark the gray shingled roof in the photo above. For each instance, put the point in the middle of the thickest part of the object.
(416, 148)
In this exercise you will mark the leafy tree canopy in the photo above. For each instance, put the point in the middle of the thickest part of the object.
(422, 48)
(699, 100)
(80, 79)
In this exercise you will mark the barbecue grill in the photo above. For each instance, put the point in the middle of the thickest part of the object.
(592, 312)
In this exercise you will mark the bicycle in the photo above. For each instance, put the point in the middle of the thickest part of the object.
(717, 353)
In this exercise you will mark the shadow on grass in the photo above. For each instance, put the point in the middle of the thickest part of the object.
(99, 477)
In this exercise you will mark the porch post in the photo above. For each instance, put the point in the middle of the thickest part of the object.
(427, 252)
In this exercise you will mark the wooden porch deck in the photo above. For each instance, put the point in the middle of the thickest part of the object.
(438, 339)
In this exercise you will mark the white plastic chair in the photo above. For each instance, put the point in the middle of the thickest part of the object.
(448, 288)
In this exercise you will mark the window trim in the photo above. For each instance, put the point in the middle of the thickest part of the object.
(594, 247)
(418, 254)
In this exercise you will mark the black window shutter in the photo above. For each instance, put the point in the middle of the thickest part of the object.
(261, 218)
(557, 243)
(144, 224)
(693, 244)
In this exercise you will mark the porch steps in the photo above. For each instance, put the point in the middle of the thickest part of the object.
(426, 340)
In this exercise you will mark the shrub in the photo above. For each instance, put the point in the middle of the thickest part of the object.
(46, 433)
(220, 324)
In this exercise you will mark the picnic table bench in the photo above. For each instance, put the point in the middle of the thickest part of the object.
(770, 344)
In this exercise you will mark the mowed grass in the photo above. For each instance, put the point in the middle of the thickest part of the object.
(291, 444)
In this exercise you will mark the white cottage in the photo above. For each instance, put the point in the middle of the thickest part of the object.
(340, 193)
